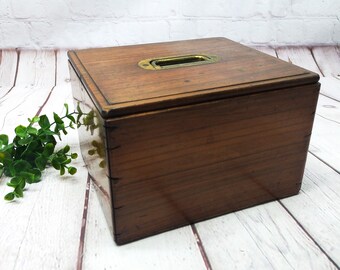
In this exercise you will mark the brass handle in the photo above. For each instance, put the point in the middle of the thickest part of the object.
(177, 61)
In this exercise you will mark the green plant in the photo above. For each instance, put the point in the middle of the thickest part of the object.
(34, 148)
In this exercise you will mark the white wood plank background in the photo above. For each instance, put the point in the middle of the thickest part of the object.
(44, 230)
(175, 249)
(299, 56)
(328, 60)
(262, 237)
(317, 206)
(45, 226)
(8, 68)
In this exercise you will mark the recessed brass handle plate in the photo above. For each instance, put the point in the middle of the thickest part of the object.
(177, 61)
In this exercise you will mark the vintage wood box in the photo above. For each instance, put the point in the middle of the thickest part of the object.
(180, 132)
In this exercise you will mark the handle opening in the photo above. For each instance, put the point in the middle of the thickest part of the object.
(177, 61)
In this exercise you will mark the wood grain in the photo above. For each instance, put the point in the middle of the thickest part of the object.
(328, 60)
(162, 154)
(267, 50)
(231, 150)
(45, 225)
(20, 103)
(119, 86)
(8, 68)
(317, 206)
(42, 230)
(330, 87)
(262, 237)
(299, 56)
(35, 79)
(325, 142)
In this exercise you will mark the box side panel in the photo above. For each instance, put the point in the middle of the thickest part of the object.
(184, 165)
(92, 138)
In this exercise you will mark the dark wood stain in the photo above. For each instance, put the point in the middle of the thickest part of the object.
(194, 143)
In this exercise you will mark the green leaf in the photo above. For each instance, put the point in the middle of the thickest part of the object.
(18, 192)
(48, 149)
(57, 119)
(91, 152)
(71, 118)
(32, 130)
(66, 149)
(67, 161)
(4, 139)
(33, 176)
(44, 122)
(72, 170)
(9, 196)
(28, 176)
(62, 170)
(78, 109)
(48, 139)
(33, 148)
(20, 131)
(3, 156)
(19, 166)
(47, 132)
(22, 184)
(102, 164)
(41, 162)
(25, 141)
(55, 164)
(37, 175)
(66, 107)
(35, 119)
(8, 148)
(15, 181)
(80, 113)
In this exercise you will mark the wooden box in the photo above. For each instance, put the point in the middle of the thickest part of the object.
(180, 132)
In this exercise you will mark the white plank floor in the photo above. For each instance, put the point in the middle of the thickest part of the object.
(59, 223)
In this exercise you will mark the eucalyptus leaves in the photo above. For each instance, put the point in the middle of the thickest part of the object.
(34, 148)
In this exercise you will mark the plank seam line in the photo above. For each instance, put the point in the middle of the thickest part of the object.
(16, 73)
(331, 120)
(201, 247)
(250, 233)
(83, 226)
(55, 83)
(26, 229)
(324, 162)
(312, 53)
(329, 97)
(309, 235)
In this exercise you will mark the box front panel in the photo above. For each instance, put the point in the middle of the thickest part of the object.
(179, 166)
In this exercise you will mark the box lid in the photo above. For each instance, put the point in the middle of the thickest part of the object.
(140, 78)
